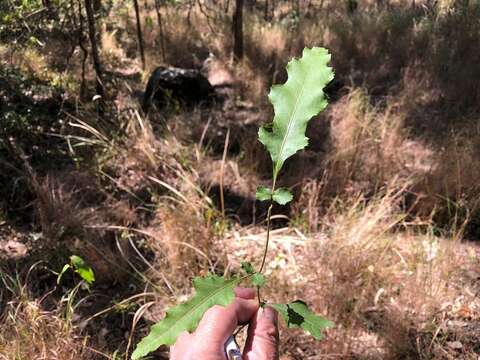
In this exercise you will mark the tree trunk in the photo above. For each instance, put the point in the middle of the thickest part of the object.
(139, 34)
(80, 39)
(160, 28)
(352, 6)
(97, 6)
(265, 16)
(238, 30)
(93, 42)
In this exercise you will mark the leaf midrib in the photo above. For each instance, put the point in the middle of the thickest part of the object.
(200, 304)
(290, 123)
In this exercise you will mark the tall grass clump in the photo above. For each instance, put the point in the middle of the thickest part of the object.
(382, 278)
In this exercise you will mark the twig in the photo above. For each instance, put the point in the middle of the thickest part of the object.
(222, 173)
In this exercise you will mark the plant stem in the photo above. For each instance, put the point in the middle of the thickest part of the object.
(269, 214)
(265, 250)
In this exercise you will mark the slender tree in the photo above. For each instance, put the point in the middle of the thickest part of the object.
(139, 34)
(160, 27)
(237, 25)
(80, 38)
(93, 42)
(352, 6)
(97, 6)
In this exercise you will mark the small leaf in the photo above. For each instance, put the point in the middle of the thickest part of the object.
(211, 290)
(248, 268)
(258, 279)
(64, 269)
(82, 269)
(282, 196)
(295, 103)
(148, 22)
(263, 193)
(297, 314)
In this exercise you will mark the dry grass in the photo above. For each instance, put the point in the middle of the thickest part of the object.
(389, 283)
(30, 332)
(375, 236)
(112, 52)
(370, 146)
(390, 288)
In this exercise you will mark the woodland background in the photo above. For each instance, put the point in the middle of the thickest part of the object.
(382, 235)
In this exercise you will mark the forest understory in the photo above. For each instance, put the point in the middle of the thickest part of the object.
(382, 236)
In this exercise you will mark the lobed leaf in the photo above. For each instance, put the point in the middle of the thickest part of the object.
(211, 290)
(297, 315)
(295, 103)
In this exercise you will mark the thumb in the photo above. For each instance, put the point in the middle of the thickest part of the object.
(262, 340)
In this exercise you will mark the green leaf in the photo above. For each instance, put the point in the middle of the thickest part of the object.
(295, 103)
(248, 268)
(82, 269)
(211, 290)
(148, 22)
(263, 193)
(258, 279)
(282, 196)
(297, 314)
(64, 269)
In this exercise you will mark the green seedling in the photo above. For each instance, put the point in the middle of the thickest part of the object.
(295, 103)
(80, 267)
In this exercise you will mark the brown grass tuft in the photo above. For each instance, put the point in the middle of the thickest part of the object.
(30, 332)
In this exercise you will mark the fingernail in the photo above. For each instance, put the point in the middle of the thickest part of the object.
(269, 314)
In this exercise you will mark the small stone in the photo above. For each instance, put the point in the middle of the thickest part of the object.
(455, 345)
(14, 249)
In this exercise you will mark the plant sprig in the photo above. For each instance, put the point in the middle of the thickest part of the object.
(295, 103)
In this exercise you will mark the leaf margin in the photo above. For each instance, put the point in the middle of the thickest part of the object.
(300, 310)
(145, 346)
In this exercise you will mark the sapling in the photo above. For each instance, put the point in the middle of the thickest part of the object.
(294, 103)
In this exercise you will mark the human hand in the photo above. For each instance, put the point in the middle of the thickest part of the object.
(218, 323)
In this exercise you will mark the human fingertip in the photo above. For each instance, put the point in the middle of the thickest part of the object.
(244, 293)
(270, 314)
(245, 309)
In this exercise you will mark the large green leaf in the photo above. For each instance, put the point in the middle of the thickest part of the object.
(295, 103)
(211, 290)
(297, 314)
